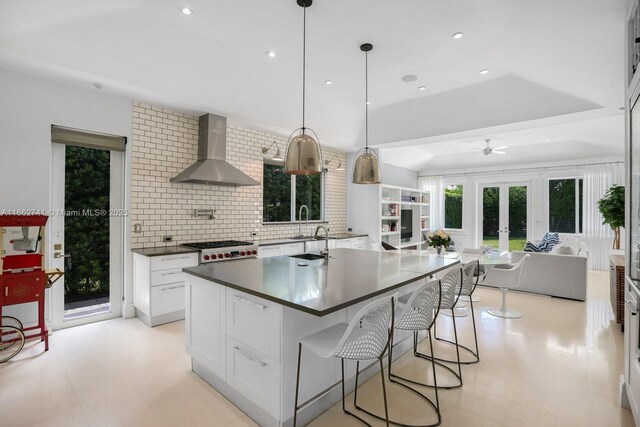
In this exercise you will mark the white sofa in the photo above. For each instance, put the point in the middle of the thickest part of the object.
(557, 273)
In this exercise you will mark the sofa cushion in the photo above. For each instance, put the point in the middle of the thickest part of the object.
(566, 250)
(568, 246)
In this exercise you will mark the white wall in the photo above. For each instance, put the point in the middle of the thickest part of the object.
(28, 108)
(396, 175)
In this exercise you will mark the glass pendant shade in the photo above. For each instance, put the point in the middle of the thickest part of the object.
(366, 168)
(303, 156)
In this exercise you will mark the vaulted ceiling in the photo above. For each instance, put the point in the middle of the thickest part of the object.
(555, 64)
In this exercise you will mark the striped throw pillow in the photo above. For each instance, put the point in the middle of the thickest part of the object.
(542, 247)
(552, 238)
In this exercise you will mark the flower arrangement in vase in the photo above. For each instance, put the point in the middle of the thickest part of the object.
(439, 239)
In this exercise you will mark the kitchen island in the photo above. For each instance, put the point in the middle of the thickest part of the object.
(244, 319)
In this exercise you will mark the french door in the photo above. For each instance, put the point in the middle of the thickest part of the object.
(87, 234)
(504, 215)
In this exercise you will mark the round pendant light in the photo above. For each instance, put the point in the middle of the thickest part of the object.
(303, 150)
(366, 168)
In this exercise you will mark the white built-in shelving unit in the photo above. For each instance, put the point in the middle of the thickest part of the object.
(377, 212)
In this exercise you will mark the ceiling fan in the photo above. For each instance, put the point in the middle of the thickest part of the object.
(488, 150)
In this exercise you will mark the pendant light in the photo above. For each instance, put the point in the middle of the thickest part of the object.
(303, 150)
(366, 169)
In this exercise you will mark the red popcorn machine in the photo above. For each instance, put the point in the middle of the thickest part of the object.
(23, 279)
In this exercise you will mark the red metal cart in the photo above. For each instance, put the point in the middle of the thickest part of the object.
(22, 279)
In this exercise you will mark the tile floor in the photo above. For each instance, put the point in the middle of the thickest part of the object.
(559, 365)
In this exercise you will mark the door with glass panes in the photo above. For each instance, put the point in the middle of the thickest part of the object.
(504, 215)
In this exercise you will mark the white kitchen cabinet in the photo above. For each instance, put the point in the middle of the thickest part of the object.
(254, 321)
(293, 248)
(158, 283)
(254, 375)
(360, 243)
(205, 330)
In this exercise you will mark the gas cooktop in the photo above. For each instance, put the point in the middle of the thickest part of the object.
(218, 244)
(224, 250)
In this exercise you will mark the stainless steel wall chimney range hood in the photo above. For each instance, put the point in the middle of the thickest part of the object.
(212, 167)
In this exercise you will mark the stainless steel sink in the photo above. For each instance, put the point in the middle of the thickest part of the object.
(301, 238)
(309, 257)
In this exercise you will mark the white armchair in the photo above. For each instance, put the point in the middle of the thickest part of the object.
(505, 277)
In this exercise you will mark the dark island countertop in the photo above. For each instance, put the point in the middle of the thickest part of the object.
(163, 251)
(322, 287)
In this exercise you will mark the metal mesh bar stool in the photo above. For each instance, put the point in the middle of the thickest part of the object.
(417, 313)
(480, 272)
(505, 279)
(469, 283)
(450, 288)
(366, 337)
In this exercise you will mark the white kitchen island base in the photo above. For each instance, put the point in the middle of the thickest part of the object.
(246, 348)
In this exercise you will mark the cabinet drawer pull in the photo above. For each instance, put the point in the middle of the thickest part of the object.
(253, 359)
(169, 274)
(172, 287)
(172, 258)
(246, 301)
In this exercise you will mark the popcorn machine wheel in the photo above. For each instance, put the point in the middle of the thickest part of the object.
(22, 279)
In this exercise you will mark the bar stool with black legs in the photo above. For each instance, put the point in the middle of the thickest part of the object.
(366, 337)
(469, 283)
(417, 312)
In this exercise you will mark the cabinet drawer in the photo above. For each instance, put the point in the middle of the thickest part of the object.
(343, 243)
(163, 277)
(167, 298)
(174, 261)
(268, 251)
(254, 375)
(292, 249)
(254, 322)
(360, 243)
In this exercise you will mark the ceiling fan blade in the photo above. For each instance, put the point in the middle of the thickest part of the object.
(475, 148)
(502, 147)
(498, 152)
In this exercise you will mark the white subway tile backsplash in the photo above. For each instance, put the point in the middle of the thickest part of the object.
(166, 142)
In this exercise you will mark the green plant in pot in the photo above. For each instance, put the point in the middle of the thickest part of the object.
(611, 207)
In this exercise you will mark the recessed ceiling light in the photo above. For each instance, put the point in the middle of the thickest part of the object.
(187, 11)
(458, 36)
(271, 54)
(368, 102)
(98, 85)
(483, 72)
(422, 88)
(328, 82)
(409, 78)
(548, 139)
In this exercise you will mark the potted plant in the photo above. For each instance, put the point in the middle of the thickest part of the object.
(611, 207)
(439, 239)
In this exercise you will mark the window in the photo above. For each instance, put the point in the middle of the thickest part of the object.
(453, 206)
(283, 195)
(565, 205)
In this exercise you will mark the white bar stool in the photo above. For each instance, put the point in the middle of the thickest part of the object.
(417, 312)
(469, 283)
(366, 337)
(450, 289)
(505, 279)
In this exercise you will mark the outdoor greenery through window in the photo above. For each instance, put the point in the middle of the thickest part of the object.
(565, 205)
(283, 195)
(453, 206)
